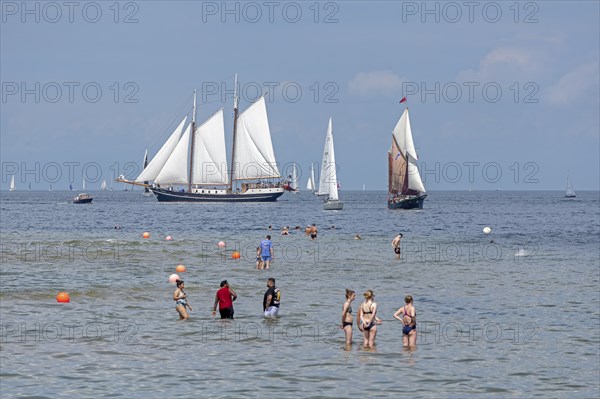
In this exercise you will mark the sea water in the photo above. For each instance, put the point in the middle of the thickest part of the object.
(515, 313)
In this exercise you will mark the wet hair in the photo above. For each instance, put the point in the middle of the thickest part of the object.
(179, 282)
(400, 234)
(408, 299)
(271, 279)
(268, 237)
(349, 293)
(368, 294)
(224, 283)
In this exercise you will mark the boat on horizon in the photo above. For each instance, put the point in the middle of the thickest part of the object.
(328, 183)
(291, 184)
(103, 185)
(83, 198)
(12, 186)
(192, 165)
(570, 193)
(310, 184)
(405, 188)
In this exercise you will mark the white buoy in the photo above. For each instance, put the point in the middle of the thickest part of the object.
(487, 230)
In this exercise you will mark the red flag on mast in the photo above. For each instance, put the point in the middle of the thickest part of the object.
(403, 100)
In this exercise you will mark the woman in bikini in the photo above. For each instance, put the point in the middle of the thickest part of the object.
(347, 316)
(179, 297)
(367, 319)
(407, 315)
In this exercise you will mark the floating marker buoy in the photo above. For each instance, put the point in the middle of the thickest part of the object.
(146, 235)
(63, 297)
(235, 255)
(487, 230)
(180, 269)
(221, 244)
(169, 238)
(173, 278)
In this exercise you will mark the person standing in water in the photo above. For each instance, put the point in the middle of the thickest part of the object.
(271, 299)
(396, 245)
(313, 231)
(347, 316)
(180, 298)
(266, 251)
(407, 315)
(224, 298)
(367, 319)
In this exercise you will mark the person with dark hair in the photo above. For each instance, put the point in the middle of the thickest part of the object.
(180, 298)
(347, 316)
(367, 319)
(396, 245)
(407, 315)
(224, 298)
(266, 251)
(313, 231)
(271, 299)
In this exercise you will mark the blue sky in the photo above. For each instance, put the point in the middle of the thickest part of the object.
(502, 95)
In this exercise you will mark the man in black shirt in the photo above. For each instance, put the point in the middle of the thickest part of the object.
(271, 299)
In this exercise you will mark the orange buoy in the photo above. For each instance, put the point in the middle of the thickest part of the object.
(63, 297)
(180, 269)
(235, 255)
(146, 235)
(221, 244)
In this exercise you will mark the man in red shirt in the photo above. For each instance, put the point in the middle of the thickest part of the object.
(224, 298)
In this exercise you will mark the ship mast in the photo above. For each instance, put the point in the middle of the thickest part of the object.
(235, 117)
(193, 129)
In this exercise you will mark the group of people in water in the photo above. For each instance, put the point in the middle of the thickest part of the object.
(224, 298)
(367, 320)
(366, 316)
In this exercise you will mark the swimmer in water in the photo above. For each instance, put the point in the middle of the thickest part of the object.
(347, 316)
(179, 296)
(407, 315)
(367, 319)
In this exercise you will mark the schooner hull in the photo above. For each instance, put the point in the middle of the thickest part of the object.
(266, 195)
(413, 202)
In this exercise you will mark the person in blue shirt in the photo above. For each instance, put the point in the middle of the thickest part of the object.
(266, 252)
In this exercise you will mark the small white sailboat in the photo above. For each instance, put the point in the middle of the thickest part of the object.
(570, 192)
(328, 183)
(310, 184)
(364, 186)
(83, 185)
(103, 185)
(294, 180)
(12, 183)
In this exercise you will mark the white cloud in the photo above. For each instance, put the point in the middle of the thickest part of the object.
(504, 63)
(574, 85)
(375, 82)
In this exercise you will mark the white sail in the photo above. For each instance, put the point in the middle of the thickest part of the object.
(161, 157)
(103, 185)
(294, 180)
(310, 185)
(210, 158)
(570, 191)
(253, 156)
(12, 183)
(175, 170)
(402, 134)
(328, 179)
(83, 184)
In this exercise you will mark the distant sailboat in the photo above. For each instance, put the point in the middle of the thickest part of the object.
(405, 188)
(570, 192)
(328, 183)
(294, 180)
(364, 186)
(12, 183)
(83, 185)
(50, 188)
(310, 185)
(103, 185)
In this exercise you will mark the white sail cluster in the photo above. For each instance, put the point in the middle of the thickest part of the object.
(254, 157)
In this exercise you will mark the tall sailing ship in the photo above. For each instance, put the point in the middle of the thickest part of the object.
(195, 160)
(405, 188)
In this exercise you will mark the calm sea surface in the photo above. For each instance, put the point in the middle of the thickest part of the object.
(512, 314)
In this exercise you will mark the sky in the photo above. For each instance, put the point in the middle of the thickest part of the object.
(502, 95)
